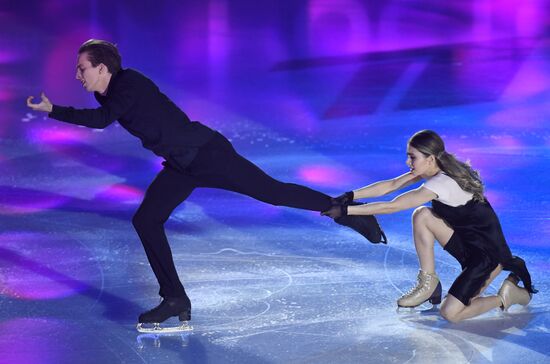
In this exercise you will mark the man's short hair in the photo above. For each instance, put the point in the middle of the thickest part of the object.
(101, 51)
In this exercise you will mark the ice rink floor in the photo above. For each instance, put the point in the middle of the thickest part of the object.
(315, 94)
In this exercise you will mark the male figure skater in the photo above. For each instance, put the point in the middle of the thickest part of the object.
(195, 156)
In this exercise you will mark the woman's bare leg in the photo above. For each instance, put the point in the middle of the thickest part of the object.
(454, 311)
(426, 229)
(493, 275)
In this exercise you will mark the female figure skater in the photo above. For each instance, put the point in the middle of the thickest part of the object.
(460, 219)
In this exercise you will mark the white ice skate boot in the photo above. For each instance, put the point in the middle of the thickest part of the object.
(510, 293)
(428, 288)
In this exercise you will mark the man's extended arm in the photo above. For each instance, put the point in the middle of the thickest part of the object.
(98, 118)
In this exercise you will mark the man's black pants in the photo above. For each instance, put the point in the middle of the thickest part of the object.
(217, 165)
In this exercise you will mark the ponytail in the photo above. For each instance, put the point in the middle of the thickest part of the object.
(464, 175)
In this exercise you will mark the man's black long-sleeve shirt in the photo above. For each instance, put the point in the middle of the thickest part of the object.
(139, 106)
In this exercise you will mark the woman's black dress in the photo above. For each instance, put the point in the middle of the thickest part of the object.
(479, 246)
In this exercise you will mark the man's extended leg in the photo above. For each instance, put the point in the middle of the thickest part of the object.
(231, 171)
(218, 165)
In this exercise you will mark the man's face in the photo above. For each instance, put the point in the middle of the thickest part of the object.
(87, 74)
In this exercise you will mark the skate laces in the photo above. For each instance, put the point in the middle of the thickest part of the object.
(421, 285)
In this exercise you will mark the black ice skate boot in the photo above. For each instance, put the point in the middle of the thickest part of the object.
(366, 225)
(169, 307)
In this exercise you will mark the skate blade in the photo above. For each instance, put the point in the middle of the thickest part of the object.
(157, 329)
(421, 309)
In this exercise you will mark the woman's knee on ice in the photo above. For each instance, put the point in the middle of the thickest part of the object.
(450, 313)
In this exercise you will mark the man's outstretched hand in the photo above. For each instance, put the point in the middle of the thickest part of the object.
(44, 105)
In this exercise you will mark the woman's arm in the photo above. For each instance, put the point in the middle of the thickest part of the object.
(382, 188)
(407, 200)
